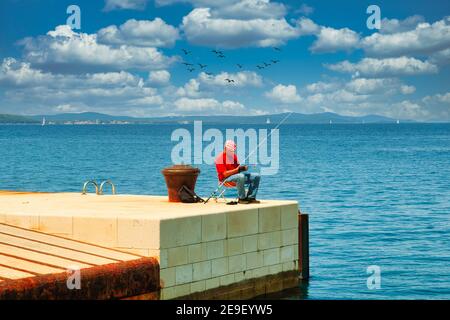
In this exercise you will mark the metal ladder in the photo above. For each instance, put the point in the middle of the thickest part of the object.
(98, 190)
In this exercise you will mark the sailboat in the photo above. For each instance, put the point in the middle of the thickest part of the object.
(268, 121)
(398, 121)
(43, 121)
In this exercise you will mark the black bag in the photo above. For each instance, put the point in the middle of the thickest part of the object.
(188, 196)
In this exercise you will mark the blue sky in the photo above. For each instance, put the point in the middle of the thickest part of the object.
(127, 58)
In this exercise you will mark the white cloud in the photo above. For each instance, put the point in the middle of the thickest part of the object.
(361, 86)
(359, 96)
(425, 39)
(67, 107)
(114, 100)
(31, 88)
(342, 100)
(321, 87)
(125, 4)
(305, 9)
(346, 96)
(159, 77)
(394, 25)
(445, 98)
(15, 73)
(201, 28)
(241, 79)
(411, 37)
(251, 9)
(22, 74)
(190, 89)
(113, 78)
(63, 49)
(365, 86)
(328, 39)
(232, 105)
(143, 33)
(316, 98)
(332, 40)
(405, 89)
(236, 9)
(407, 110)
(149, 100)
(207, 104)
(284, 94)
(372, 67)
(437, 106)
(384, 86)
(197, 3)
(441, 57)
(204, 85)
(307, 27)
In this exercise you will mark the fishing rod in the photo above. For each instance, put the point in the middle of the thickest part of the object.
(250, 154)
(265, 139)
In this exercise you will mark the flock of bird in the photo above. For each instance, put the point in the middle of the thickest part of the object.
(220, 54)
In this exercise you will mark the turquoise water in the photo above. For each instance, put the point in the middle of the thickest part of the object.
(376, 194)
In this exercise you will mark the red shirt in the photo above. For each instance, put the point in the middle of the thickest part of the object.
(224, 163)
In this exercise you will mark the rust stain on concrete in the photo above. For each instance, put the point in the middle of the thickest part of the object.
(111, 281)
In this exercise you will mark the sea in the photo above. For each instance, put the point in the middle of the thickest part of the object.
(377, 195)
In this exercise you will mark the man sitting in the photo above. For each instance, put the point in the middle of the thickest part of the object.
(232, 173)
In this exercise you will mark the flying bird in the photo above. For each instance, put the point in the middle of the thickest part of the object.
(229, 80)
(267, 64)
(275, 61)
(202, 66)
(276, 48)
(259, 67)
(191, 69)
(208, 73)
(186, 52)
(187, 64)
(219, 53)
(239, 66)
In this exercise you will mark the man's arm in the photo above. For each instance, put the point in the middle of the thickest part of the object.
(236, 170)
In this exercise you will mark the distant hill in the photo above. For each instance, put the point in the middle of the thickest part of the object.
(13, 119)
(84, 116)
(294, 118)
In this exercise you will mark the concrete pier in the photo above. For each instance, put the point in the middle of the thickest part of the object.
(204, 251)
(39, 266)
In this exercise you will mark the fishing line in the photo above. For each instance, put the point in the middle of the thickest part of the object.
(265, 139)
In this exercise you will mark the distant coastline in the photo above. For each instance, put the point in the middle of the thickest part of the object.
(15, 119)
(92, 118)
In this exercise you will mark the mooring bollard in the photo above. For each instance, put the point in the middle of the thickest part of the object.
(303, 245)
